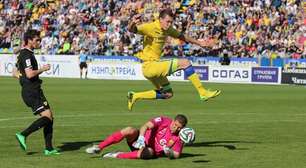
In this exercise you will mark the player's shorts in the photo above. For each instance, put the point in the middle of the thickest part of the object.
(148, 140)
(157, 71)
(35, 99)
(83, 65)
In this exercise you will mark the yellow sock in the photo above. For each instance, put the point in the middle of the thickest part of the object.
(195, 80)
(151, 94)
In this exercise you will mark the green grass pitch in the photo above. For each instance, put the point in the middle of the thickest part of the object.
(247, 126)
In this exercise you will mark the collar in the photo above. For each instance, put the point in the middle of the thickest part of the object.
(28, 49)
(157, 23)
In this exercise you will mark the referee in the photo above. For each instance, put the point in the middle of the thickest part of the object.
(32, 94)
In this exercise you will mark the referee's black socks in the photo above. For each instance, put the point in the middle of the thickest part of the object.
(36, 125)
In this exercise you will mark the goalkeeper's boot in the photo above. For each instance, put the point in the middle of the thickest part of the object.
(210, 94)
(51, 152)
(131, 100)
(111, 155)
(93, 150)
(22, 141)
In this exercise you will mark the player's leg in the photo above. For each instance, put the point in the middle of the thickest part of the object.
(156, 73)
(86, 70)
(48, 129)
(32, 99)
(37, 101)
(144, 153)
(48, 133)
(163, 91)
(128, 133)
(194, 78)
(81, 70)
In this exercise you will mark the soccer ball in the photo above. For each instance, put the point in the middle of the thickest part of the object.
(187, 135)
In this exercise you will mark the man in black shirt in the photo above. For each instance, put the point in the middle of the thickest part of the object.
(32, 94)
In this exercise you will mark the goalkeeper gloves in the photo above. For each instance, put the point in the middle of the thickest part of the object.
(140, 143)
(168, 151)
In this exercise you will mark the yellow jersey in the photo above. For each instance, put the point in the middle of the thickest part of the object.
(154, 40)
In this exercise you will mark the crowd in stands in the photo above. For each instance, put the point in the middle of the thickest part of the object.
(244, 28)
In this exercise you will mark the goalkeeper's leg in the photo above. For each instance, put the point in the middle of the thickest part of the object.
(128, 133)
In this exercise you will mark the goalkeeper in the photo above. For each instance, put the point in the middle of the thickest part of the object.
(158, 137)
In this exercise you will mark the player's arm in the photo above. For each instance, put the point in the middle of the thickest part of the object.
(170, 153)
(176, 34)
(30, 73)
(15, 73)
(204, 43)
(132, 26)
(140, 143)
(148, 125)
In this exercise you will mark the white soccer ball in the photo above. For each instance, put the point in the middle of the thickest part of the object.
(187, 135)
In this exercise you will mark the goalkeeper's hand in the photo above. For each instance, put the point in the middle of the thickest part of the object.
(166, 149)
(168, 152)
(140, 143)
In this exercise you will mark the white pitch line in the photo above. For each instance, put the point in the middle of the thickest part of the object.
(142, 114)
(193, 123)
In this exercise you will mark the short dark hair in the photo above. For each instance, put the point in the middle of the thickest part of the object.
(30, 35)
(166, 12)
(182, 119)
(147, 153)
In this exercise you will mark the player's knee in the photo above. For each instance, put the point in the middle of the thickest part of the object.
(129, 131)
(47, 113)
(183, 63)
(147, 153)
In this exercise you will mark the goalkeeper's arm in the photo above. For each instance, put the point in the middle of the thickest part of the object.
(170, 153)
(148, 125)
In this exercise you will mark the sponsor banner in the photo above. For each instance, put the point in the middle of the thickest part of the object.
(7, 63)
(115, 70)
(202, 71)
(298, 63)
(61, 65)
(114, 58)
(177, 76)
(229, 74)
(239, 62)
(123, 71)
(294, 76)
(265, 75)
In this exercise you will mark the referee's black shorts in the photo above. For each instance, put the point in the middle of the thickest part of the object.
(83, 65)
(35, 99)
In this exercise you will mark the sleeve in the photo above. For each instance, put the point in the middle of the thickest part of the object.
(173, 32)
(178, 146)
(26, 62)
(145, 29)
(157, 121)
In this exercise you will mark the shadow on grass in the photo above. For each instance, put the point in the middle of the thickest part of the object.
(186, 155)
(31, 153)
(71, 146)
(226, 144)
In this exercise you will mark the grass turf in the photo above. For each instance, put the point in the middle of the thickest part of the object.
(248, 126)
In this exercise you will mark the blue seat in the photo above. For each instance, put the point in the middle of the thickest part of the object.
(265, 61)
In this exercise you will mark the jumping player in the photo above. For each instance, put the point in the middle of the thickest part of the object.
(156, 70)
